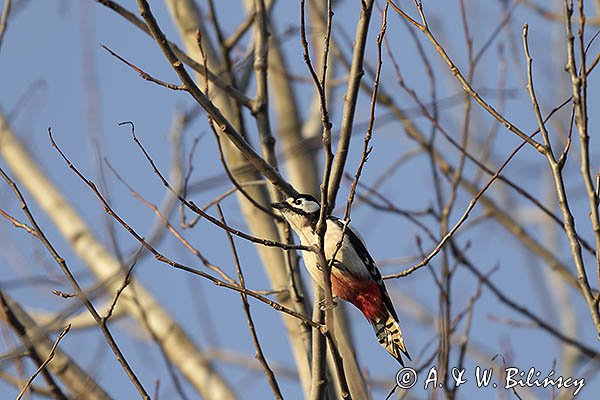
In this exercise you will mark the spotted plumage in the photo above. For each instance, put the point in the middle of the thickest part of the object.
(354, 275)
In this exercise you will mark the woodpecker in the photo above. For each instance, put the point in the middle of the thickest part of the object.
(354, 275)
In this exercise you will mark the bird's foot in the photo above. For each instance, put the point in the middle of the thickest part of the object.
(323, 304)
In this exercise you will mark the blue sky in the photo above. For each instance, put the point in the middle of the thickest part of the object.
(49, 46)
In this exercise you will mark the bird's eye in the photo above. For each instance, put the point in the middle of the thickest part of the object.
(298, 202)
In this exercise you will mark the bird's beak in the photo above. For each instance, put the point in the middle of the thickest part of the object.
(279, 206)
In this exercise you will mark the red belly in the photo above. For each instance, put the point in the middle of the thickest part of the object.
(364, 294)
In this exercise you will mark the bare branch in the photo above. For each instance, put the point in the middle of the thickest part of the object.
(45, 363)
(80, 294)
(222, 123)
(259, 353)
(350, 99)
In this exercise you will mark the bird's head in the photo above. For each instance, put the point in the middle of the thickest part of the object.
(300, 211)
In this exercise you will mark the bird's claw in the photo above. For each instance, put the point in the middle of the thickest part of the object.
(323, 304)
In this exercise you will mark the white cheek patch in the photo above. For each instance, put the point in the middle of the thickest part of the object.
(310, 206)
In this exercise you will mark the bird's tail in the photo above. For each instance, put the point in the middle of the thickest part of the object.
(390, 336)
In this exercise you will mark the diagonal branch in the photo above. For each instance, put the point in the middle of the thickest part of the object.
(63, 367)
(259, 353)
(178, 344)
(37, 232)
(221, 122)
(42, 367)
(232, 91)
(423, 27)
(350, 100)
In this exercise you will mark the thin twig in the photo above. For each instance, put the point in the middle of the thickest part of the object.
(350, 99)
(80, 294)
(12, 319)
(556, 169)
(160, 343)
(172, 229)
(461, 220)
(160, 257)
(196, 66)
(445, 166)
(423, 27)
(239, 187)
(45, 363)
(259, 353)
(366, 150)
(144, 75)
(240, 31)
(189, 204)
(123, 286)
(222, 123)
(319, 371)
(506, 299)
